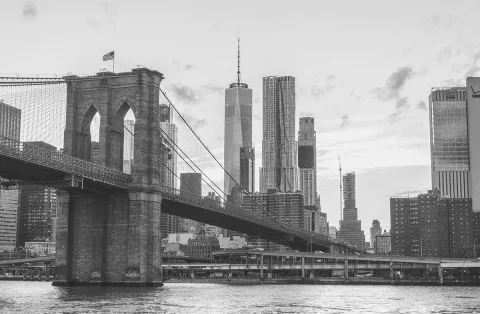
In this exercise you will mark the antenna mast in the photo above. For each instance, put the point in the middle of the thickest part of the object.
(341, 196)
(238, 63)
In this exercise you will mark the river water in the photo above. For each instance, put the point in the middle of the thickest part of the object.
(42, 297)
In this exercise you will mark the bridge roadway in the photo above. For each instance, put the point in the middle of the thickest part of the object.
(30, 164)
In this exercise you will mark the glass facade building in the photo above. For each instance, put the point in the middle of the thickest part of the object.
(10, 121)
(247, 169)
(279, 145)
(449, 142)
(307, 160)
(238, 130)
(473, 112)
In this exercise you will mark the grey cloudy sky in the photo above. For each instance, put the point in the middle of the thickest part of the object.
(363, 69)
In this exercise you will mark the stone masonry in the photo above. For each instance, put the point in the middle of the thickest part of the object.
(113, 238)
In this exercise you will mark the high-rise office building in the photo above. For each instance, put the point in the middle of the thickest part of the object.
(449, 142)
(350, 227)
(315, 221)
(431, 225)
(473, 113)
(169, 224)
(307, 160)
(38, 206)
(279, 146)
(332, 232)
(286, 207)
(10, 121)
(8, 219)
(238, 128)
(247, 169)
(375, 230)
(190, 184)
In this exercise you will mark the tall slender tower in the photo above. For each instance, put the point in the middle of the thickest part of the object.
(279, 146)
(238, 127)
(307, 161)
(350, 227)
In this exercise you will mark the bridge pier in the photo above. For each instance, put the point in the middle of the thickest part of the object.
(108, 240)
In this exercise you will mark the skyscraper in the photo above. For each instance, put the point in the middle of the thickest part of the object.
(247, 169)
(8, 219)
(238, 128)
(473, 112)
(375, 230)
(307, 160)
(10, 121)
(449, 144)
(279, 146)
(169, 223)
(190, 183)
(350, 227)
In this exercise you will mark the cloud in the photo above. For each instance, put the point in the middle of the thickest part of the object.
(474, 67)
(318, 91)
(395, 82)
(93, 22)
(189, 67)
(412, 192)
(185, 94)
(220, 138)
(214, 88)
(422, 105)
(445, 54)
(444, 20)
(392, 91)
(345, 121)
(195, 123)
(257, 116)
(322, 152)
(105, 7)
(30, 11)
(394, 117)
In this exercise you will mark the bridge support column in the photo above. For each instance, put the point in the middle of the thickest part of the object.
(303, 266)
(144, 239)
(440, 274)
(261, 266)
(346, 269)
(391, 271)
(61, 251)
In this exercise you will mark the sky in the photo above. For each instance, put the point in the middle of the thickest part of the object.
(363, 70)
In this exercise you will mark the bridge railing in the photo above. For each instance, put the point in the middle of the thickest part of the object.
(56, 160)
(194, 199)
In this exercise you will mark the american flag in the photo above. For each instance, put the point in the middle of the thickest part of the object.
(109, 56)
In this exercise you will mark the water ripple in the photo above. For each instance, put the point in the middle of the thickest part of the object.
(41, 297)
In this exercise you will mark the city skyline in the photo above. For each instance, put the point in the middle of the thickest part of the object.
(370, 105)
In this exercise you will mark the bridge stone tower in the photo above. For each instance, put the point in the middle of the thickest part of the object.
(113, 236)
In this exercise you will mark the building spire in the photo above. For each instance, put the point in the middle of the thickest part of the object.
(239, 79)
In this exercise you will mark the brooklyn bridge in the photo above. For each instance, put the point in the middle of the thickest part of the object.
(108, 220)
